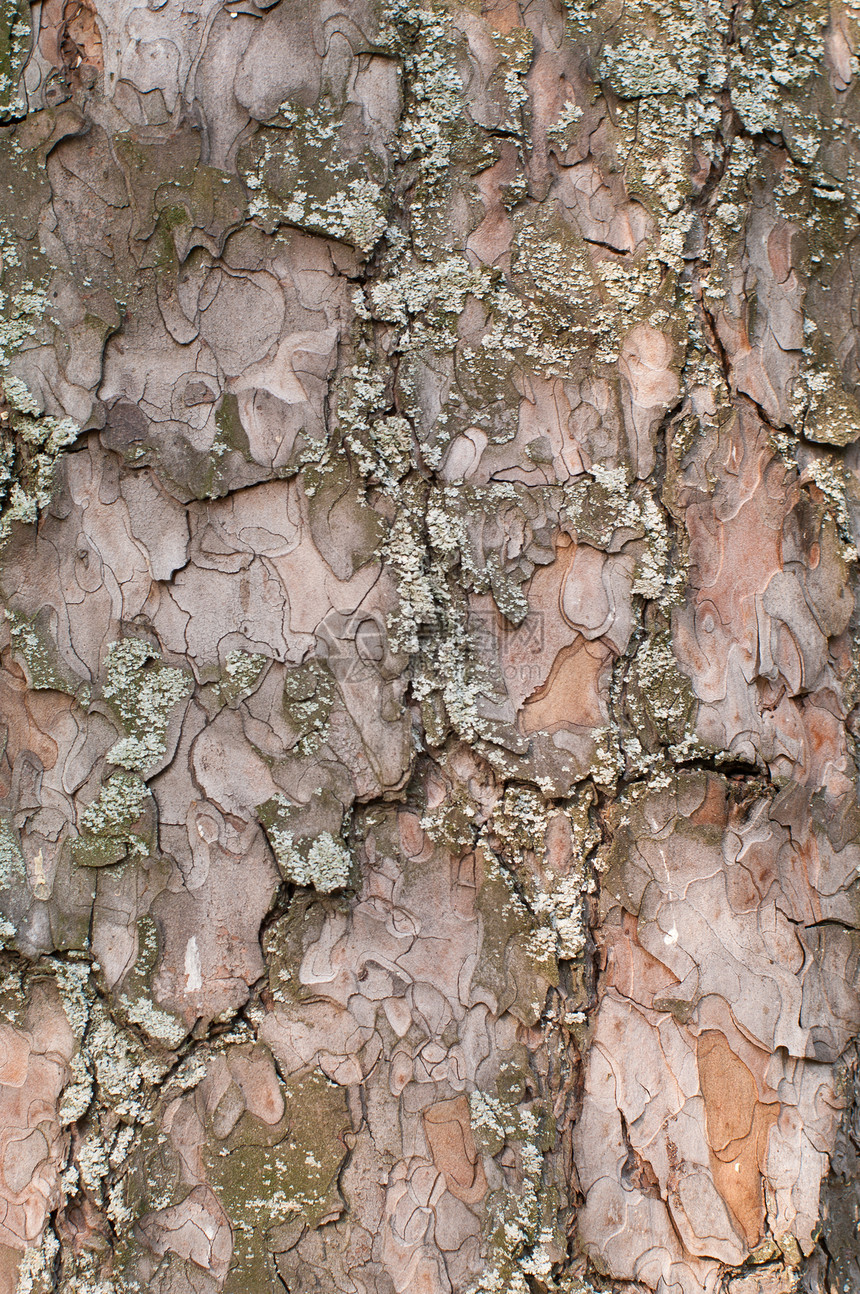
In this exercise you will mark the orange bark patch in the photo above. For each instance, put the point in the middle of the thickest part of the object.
(502, 15)
(738, 1126)
(571, 695)
(712, 811)
(449, 1133)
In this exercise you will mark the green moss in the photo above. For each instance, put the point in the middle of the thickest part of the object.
(232, 434)
(178, 201)
(268, 1177)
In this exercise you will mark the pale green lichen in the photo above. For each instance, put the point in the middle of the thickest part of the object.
(106, 823)
(607, 761)
(520, 821)
(31, 446)
(638, 68)
(36, 1272)
(780, 49)
(326, 866)
(15, 36)
(516, 48)
(78, 1092)
(407, 554)
(423, 34)
(520, 1224)
(309, 696)
(433, 554)
(319, 861)
(143, 692)
(23, 312)
(453, 821)
(83, 1274)
(820, 406)
(834, 484)
(297, 174)
(438, 290)
(13, 869)
(356, 214)
(45, 669)
(242, 670)
(659, 698)
(120, 804)
(135, 1000)
(381, 443)
(519, 826)
(111, 1063)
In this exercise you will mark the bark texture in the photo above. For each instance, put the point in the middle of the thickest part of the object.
(429, 482)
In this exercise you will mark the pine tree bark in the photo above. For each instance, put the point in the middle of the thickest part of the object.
(429, 840)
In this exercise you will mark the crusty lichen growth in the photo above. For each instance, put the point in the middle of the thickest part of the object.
(136, 1001)
(319, 861)
(554, 882)
(31, 445)
(143, 693)
(660, 709)
(114, 1082)
(106, 823)
(242, 672)
(45, 669)
(520, 1224)
(326, 866)
(13, 873)
(836, 488)
(15, 36)
(297, 174)
(309, 695)
(36, 1272)
(12, 866)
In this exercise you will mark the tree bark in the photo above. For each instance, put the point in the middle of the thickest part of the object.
(429, 839)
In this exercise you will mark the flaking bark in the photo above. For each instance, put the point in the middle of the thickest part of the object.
(429, 837)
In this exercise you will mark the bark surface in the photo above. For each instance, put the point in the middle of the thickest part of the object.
(429, 489)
